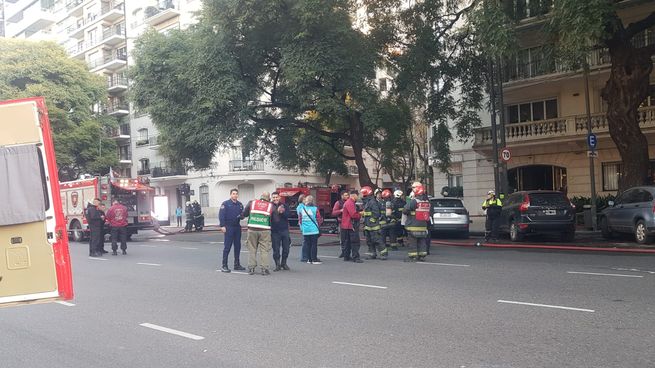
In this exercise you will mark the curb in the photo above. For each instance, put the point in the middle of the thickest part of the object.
(548, 247)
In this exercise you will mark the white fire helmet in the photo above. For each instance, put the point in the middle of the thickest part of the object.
(398, 193)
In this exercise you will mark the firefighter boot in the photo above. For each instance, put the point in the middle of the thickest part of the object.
(277, 266)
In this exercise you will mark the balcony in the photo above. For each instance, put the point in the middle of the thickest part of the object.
(76, 30)
(32, 19)
(156, 15)
(112, 11)
(114, 35)
(541, 66)
(153, 142)
(117, 84)
(161, 171)
(111, 62)
(142, 142)
(559, 129)
(124, 156)
(145, 171)
(122, 132)
(246, 165)
(117, 109)
(74, 7)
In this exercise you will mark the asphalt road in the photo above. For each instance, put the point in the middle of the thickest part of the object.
(465, 307)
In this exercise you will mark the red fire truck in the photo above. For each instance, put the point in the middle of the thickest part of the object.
(324, 197)
(35, 264)
(136, 196)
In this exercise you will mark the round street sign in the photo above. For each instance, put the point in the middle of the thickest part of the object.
(505, 154)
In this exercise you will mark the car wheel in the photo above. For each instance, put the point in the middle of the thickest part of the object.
(641, 233)
(514, 232)
(568, 236)
(76, 232)
(605, 230)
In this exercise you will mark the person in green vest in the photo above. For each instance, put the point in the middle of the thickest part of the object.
(259, 212)
(493, 207)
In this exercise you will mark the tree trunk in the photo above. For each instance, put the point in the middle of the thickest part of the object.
(357, 143)
(625, 90)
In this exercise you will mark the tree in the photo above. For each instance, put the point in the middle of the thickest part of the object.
(30, 69)
(438, 70)
(577, 28)
(292, 77)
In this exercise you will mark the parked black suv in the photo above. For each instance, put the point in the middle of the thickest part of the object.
(536, 212)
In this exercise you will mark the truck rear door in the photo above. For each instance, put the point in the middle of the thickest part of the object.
(34, 259)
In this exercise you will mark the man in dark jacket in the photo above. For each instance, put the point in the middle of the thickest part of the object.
(280, 232)
(229, 220)
(371, 218)
(96, 221)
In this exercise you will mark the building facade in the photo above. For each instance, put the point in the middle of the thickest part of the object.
(102, 33)
(546, 123)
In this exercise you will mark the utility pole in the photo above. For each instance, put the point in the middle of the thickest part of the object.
(592, 172)
(494, 129)
(504, 185)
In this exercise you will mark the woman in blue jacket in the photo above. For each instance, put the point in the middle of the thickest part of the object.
(310, 219)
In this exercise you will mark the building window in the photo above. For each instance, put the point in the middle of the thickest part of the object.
(611, 175)
(532, 111)
(650, 99)
(204, 195)
(144, 166)
(455, 180)
(383, 84)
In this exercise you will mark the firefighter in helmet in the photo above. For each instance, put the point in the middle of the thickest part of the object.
(395, 213)
(416, 224)
(371, 217)
(387, 228)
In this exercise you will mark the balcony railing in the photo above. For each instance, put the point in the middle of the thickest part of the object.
(516, 71)
(116, 81)
(117, 30)
(246, 165)
(160, 171)
(572, 126)
(113, 5)
(106, 59)
(118, 106)
(143, 172)
(73, 3)
(121, 130)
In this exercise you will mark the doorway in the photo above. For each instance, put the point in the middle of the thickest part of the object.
(537, 177)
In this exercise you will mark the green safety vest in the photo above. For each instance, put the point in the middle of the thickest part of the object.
(260, 214)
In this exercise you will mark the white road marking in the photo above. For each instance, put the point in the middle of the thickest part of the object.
(603, 274)
(98, 259)
(244, 251)
(215, 242)
(161, 240)
(188, 248)
(237, 272)
(148, 264)
(322, 256)
(147, 246)
(547, 306)
(362, 285)
(65, 303)
(633, 270)
(172, 331)
(444, 264)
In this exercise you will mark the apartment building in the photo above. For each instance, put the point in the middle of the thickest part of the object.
(545, 118)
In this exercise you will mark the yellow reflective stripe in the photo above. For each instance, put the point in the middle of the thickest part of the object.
(416, 228)
(372, 227)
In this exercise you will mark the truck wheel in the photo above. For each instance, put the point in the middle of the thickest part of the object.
(77, 235)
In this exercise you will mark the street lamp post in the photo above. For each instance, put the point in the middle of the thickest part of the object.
(592, 173)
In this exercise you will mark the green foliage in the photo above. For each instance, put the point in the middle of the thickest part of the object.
(292, 79)
(29, 69)
(452, 191)
(601, 202)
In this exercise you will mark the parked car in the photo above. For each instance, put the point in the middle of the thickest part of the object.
(537, 212)
(450, 215)
(632, 213)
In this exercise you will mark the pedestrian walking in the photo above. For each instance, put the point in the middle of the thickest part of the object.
(117, 219)
(493, 207)
(229, 220)
(416, 224)
(371, 218)
(349, 229)
(310, 220)
(178, 215)
(259, 213)
(337, 211)
(96, 221)
(280, 233)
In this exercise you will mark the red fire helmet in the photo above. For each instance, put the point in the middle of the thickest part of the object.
(386, 194)
(366, 191)
(418, 190)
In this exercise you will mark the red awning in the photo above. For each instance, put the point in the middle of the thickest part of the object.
(132, 185)
(288, 193)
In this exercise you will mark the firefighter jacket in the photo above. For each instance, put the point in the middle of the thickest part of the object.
(371, 215)
(383, 213)
(397, 205)
(418, 216)
(493, 207)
